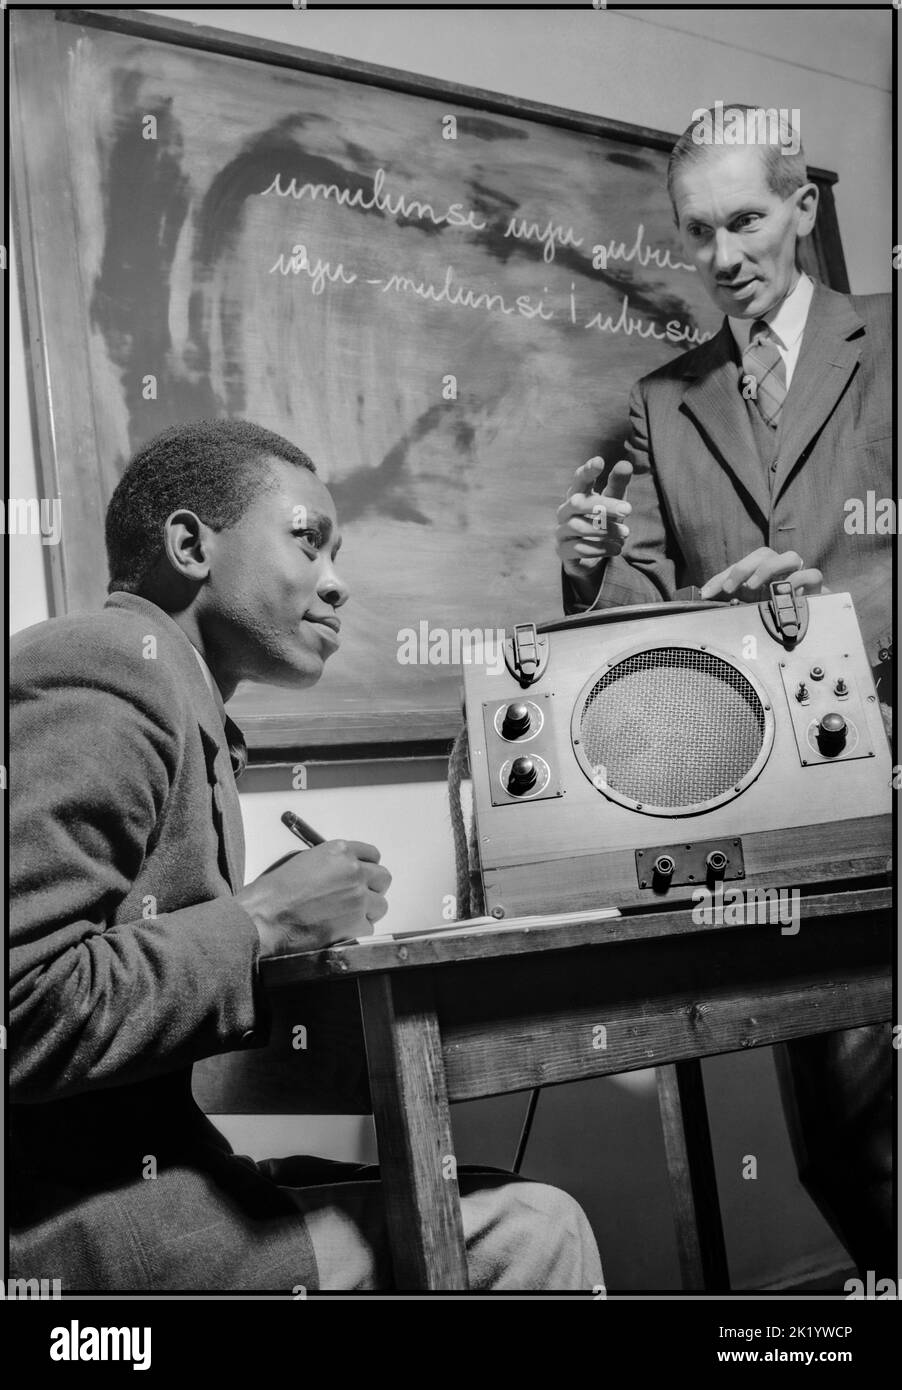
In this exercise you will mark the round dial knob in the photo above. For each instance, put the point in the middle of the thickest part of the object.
(516, 721)
(522, 776)
(832, 732)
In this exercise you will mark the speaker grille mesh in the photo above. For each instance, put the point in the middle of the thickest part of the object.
(672, 727)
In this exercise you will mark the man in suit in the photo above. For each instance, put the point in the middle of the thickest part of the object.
(135, 942)
(744, 455)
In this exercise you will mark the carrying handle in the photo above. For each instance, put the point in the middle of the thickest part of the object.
(634, 610)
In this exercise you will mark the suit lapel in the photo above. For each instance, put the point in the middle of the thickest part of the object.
(826, 362)
(225, 808)
(714, 400)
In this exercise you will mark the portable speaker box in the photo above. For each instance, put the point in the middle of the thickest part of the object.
(627, 757)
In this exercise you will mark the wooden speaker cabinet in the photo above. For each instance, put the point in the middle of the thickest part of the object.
(628, 757)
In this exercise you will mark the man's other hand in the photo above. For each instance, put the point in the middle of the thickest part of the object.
(591, 525)
(747, 577)
(318, 896)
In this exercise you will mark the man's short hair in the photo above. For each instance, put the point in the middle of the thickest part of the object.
(214, 468)
(784, 171)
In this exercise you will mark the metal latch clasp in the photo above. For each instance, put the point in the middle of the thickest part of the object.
(526, 654)
(786, 615)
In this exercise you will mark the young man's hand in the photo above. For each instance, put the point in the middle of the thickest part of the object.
(318, 896)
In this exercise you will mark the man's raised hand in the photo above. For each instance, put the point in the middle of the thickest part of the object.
(592, 526)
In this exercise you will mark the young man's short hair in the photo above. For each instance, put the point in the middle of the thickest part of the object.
(214, 468)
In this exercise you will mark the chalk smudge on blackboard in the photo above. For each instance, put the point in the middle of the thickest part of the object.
(464, 434)
(386, 489)
(137, 254)
(485, 129)
(631, 161)
(490, 201)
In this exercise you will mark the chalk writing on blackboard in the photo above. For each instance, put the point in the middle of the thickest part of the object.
(321, 273)
(549, 237)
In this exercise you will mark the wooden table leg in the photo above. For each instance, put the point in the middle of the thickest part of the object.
(413, 1131)
(693, 1181)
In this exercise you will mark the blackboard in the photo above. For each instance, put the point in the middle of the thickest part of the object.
(442, 295)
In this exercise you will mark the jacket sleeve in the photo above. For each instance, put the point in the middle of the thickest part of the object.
(95, 1002)
(645, 570)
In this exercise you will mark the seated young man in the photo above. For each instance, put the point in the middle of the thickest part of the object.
(134, 940)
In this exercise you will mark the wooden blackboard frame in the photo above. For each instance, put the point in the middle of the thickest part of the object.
(66, 442)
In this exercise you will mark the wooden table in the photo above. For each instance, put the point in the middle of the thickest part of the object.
(451, 1018)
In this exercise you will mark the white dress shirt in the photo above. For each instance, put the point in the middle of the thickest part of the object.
(211, 683)
(786, 323)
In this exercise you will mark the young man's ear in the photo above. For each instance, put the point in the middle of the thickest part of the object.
(185, 540)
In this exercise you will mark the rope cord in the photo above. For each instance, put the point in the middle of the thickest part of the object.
(468, 899)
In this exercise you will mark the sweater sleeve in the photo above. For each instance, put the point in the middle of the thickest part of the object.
(96, 1002)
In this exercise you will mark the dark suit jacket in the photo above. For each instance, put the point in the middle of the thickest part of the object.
(700, 493)
(701, 500)
(130, 959)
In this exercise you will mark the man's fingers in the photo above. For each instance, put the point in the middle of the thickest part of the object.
(585, 476)
(578, 550)
(735, 575)
(760, 568)
(714, 586)
(592, 546)
(378, 879)
(590, 551)
(812, 581)
(771, 567)
(615, 549)
(361, 850)
(593, 504)
(376, 907)
(618, 479)
(579, 526)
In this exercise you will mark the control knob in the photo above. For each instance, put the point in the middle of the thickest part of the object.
(516, 721)
(832, 732)
(522, 776)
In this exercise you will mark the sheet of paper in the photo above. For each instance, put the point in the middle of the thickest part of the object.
(475, 925)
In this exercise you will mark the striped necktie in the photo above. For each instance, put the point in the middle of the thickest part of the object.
(763, 362)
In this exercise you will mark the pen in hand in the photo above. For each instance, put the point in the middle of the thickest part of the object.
(328, 895)
(302, 830)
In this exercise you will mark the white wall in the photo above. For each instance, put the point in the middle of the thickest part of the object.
(600, 1140)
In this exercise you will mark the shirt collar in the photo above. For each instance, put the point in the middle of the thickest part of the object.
(211, 684)
(786, 322)
(234, 737)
